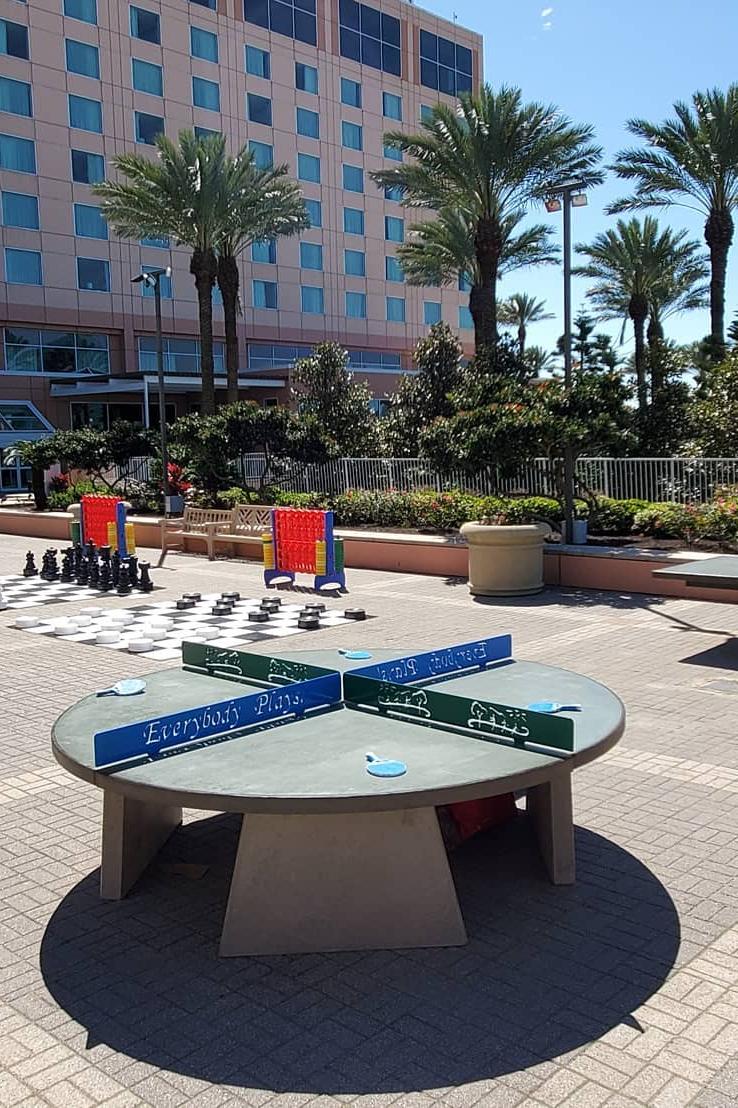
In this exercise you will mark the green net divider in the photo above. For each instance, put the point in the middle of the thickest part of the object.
(240, 665)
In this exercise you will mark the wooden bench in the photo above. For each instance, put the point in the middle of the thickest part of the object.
(244, 523)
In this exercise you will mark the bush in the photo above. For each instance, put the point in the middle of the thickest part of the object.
(615, 517)
(719, 521)
(61, 499)
(668, 521)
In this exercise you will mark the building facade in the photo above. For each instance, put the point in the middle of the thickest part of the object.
(312, 84)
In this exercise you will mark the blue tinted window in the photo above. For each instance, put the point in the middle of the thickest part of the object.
(353, 221)
(82, 58)
(294, 18)
(145, 25)
(395, 309)
(311, 256)
(263, 154)
(350, 93)
(15, 97)
(370, 37)
(353, 178)
(93, 274)
(391, 105)
(17, 154)
(158, 243)
(315, 212)
(306, 77)
(356, 305)
(308, 123)
(13, 39)
(212, 4)
(84, 114)
(88, 222)
(393, 192)
(259, 109)
(87, 168)
(165, 287)
(444, 65)
(147, 77)
(265, 294)
(311, 298)
(394, 228)
(204, 132)
(308, 168)
(393, 271)
(86, 10)
(426, 113)
(351, 136)
(464, 283)
(465, 318)
(203, 44)
(205, 94)
(147, 127)
(23, 267)
(431, 312)
(20, 210)
(392, 154)
(354, 263)
(258, 62)
(265, 252)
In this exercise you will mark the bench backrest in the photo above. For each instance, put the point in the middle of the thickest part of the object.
(251, 519)
(195, 519)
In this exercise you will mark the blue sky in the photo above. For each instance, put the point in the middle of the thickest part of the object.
(604, 61)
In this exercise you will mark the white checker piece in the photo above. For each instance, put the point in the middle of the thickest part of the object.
(233, 630)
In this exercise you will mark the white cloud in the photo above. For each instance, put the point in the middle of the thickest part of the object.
(547, 26)
(546, 12)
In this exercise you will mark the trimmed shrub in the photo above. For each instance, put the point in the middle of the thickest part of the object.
(668, 521)
(615, 517)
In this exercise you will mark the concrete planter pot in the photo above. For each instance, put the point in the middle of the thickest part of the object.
(505, 559)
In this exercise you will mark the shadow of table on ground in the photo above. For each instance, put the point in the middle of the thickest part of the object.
(546, 970)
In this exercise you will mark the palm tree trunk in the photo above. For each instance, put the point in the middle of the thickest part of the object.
(718, 236)
(203, 267)
(487, 248)
(521, 340)
(228, 282)
(655, 337)
(639, 323)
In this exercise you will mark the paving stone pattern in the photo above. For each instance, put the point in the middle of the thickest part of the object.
(619, 991)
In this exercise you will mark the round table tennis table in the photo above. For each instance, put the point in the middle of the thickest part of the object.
(329, 857)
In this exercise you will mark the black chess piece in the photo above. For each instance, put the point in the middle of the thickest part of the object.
(145, 583)
(77, 557)
(83, 573)
(94, 564)
(51, 565)
(115, 568)
(45, 566)
(67, 570)
(133, 570)
(90, 549)
(105, 576)
(124, 578)
(30, 568)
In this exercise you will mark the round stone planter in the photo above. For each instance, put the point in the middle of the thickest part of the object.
(505, 559)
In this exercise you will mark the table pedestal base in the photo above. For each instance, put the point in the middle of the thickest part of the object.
(550, 810)
(133, 833)
(359, 881)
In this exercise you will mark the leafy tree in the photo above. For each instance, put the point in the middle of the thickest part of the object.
(490, 157)
(716, 410)
(691, 160)
(521, 310)
(540, 361)
(40, 455)
(602, 354)
(733, 331)
(423, 397)
(181, 195)
(325, 389)
(637, 268)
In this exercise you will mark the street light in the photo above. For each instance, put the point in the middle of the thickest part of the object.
(151, 278)
(567, 196)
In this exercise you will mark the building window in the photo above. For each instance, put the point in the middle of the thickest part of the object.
(265, 294)
(395, 309)
(392, 154)
(156, 243)
(82, 58)
(391, 106)
(353, 221)
(308, 123)
(311, 299)
(165, 286)
(311, 256)
(393, 192)
(294, 18)
(393, 271)
(262, 153)
(350, 93)
(369, 36)
(147, 127)
(15, 97)
(206, 94)
(93, 274)
(147, 77)
(13, 39)
(181, 356)
(17, 154)
(20, 210)
(465, 318)
(354, 263)
(431, 312)
(464, 283)
(308, 168)
(203, 44)
(373, 361)
(85, 10)
(306, 78)
(426, 113)
(84, 114)
(30, 351)
(211, 4)
(394, 229)
(87, 169)
(351, 136)
(23, 267)
(275, 357)
(258, 62)
(17, 416)
(205, 132)
(264, 252)
(353, 178)
(314, 210)
(444, 65)
(356, 305)
(259, 109)
(88, 222)
(145, 25)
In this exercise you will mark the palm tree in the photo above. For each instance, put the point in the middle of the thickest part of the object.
(179, 195)
(520, 310)
(633, 266)
(540, 360)
(261, 204)
(441, 250)
(490, 156)
(691, 161)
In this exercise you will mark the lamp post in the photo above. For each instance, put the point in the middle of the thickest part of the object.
(151, 278)
(568, 195)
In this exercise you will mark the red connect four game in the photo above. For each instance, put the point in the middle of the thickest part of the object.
(301, 541)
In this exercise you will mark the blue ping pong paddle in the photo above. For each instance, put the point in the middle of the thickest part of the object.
(384, 767)
(129, 686)
(355, 655)
(551, 707)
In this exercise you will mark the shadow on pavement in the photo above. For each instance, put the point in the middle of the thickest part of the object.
(545, 971)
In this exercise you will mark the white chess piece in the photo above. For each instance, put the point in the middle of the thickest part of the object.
(3, 602)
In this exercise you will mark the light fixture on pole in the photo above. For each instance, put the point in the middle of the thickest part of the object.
(151, 278)
(568, 195)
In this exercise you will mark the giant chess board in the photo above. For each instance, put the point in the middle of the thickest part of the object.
(27, 592)
(158, 630)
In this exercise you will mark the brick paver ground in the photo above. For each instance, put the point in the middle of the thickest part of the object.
(620, 991)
